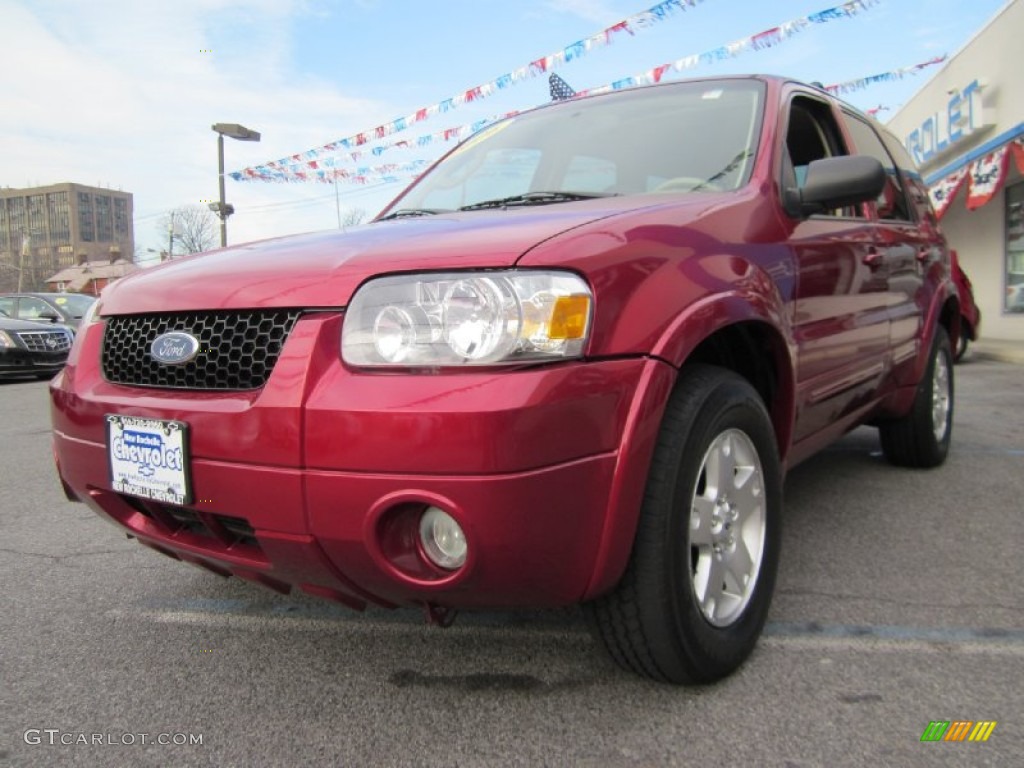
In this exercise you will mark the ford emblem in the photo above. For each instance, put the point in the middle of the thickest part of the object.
(174, 348)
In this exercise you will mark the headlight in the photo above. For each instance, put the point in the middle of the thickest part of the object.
(460, 318)
(6, 342)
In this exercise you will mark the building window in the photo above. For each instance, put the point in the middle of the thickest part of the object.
(86, 225)
(104, 222)
(1015, 249)
(120, 219)
(37, 219)
(19, 222)
(5, 243)
(60, 223)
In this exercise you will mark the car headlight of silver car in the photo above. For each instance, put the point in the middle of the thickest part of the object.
(467, 318)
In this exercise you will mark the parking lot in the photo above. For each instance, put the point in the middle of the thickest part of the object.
(899, 603)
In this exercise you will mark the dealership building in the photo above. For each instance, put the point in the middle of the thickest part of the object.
(965, 129)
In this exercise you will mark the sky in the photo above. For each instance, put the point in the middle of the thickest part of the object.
(122, 93)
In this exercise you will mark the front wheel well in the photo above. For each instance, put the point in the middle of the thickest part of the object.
(757, 352)
(950, 319)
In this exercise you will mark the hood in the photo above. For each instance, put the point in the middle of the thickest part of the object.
(10, 324)
(324, 269)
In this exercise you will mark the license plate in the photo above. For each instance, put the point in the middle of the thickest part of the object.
(149, 458)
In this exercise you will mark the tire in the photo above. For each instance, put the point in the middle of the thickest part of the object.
(665, 619)
(921, 438)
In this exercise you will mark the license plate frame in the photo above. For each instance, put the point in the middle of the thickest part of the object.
(149, 458)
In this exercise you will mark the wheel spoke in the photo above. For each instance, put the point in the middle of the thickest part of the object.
(721, 465)
(714, 589)
(700, 521)
(739, 565)
(748, 492)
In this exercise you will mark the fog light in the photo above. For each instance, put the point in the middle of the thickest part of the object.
(443, 539)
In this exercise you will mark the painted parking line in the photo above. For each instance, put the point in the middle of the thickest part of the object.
(894, 638)
(893, 632)
(325, 616)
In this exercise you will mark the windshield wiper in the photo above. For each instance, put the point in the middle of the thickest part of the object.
(402, 213)
(535, 198)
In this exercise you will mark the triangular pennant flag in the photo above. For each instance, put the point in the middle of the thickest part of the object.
(560, 89)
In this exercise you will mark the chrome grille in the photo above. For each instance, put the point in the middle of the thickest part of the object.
(46, 341)
(237, 349)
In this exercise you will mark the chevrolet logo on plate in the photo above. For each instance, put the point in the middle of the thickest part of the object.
(174, 348)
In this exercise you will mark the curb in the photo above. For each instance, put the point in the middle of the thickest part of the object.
(1011, 353)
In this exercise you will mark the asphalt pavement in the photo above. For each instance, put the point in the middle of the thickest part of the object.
(899, 603)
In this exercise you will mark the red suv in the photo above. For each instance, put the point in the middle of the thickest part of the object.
(570, 364)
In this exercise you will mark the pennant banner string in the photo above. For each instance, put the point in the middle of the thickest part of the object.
(885, 77)
(270, 171)
(767, 39)
(290, 171)
(274, 171)
(630, 25)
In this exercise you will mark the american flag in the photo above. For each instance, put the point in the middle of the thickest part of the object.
(560, 89)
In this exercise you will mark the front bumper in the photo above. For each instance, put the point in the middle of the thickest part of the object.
(22, 362)
(317, 481)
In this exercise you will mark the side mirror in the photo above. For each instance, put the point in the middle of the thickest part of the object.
(836, 182)
(51, 316)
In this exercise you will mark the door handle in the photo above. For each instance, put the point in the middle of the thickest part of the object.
(873, 259)
(924, 254)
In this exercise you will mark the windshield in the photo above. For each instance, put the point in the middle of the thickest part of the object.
(681, 137)
(74, 304)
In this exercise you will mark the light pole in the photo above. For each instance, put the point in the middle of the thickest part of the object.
(26, 250)
(241, 133)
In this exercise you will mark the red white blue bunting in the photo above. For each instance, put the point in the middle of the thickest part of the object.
(631, 25)
(986, 176)
(289, 170)
(768, 38)
(884, 77)
(327, 173)
(943, 192)
(983, 178)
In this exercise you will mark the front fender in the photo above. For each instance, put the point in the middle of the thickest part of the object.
(756, 301)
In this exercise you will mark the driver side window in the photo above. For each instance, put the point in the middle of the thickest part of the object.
(33, 309)
(812, 135)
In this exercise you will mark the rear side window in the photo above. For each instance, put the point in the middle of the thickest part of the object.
(892, 201)
(917, 191)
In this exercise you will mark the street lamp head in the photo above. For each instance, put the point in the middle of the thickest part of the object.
(236, 131)
(223, 210)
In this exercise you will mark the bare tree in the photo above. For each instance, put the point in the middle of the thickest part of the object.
(353, 217)
(188, 229)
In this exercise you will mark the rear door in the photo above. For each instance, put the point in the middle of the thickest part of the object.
(840, 315)
(904, 247)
